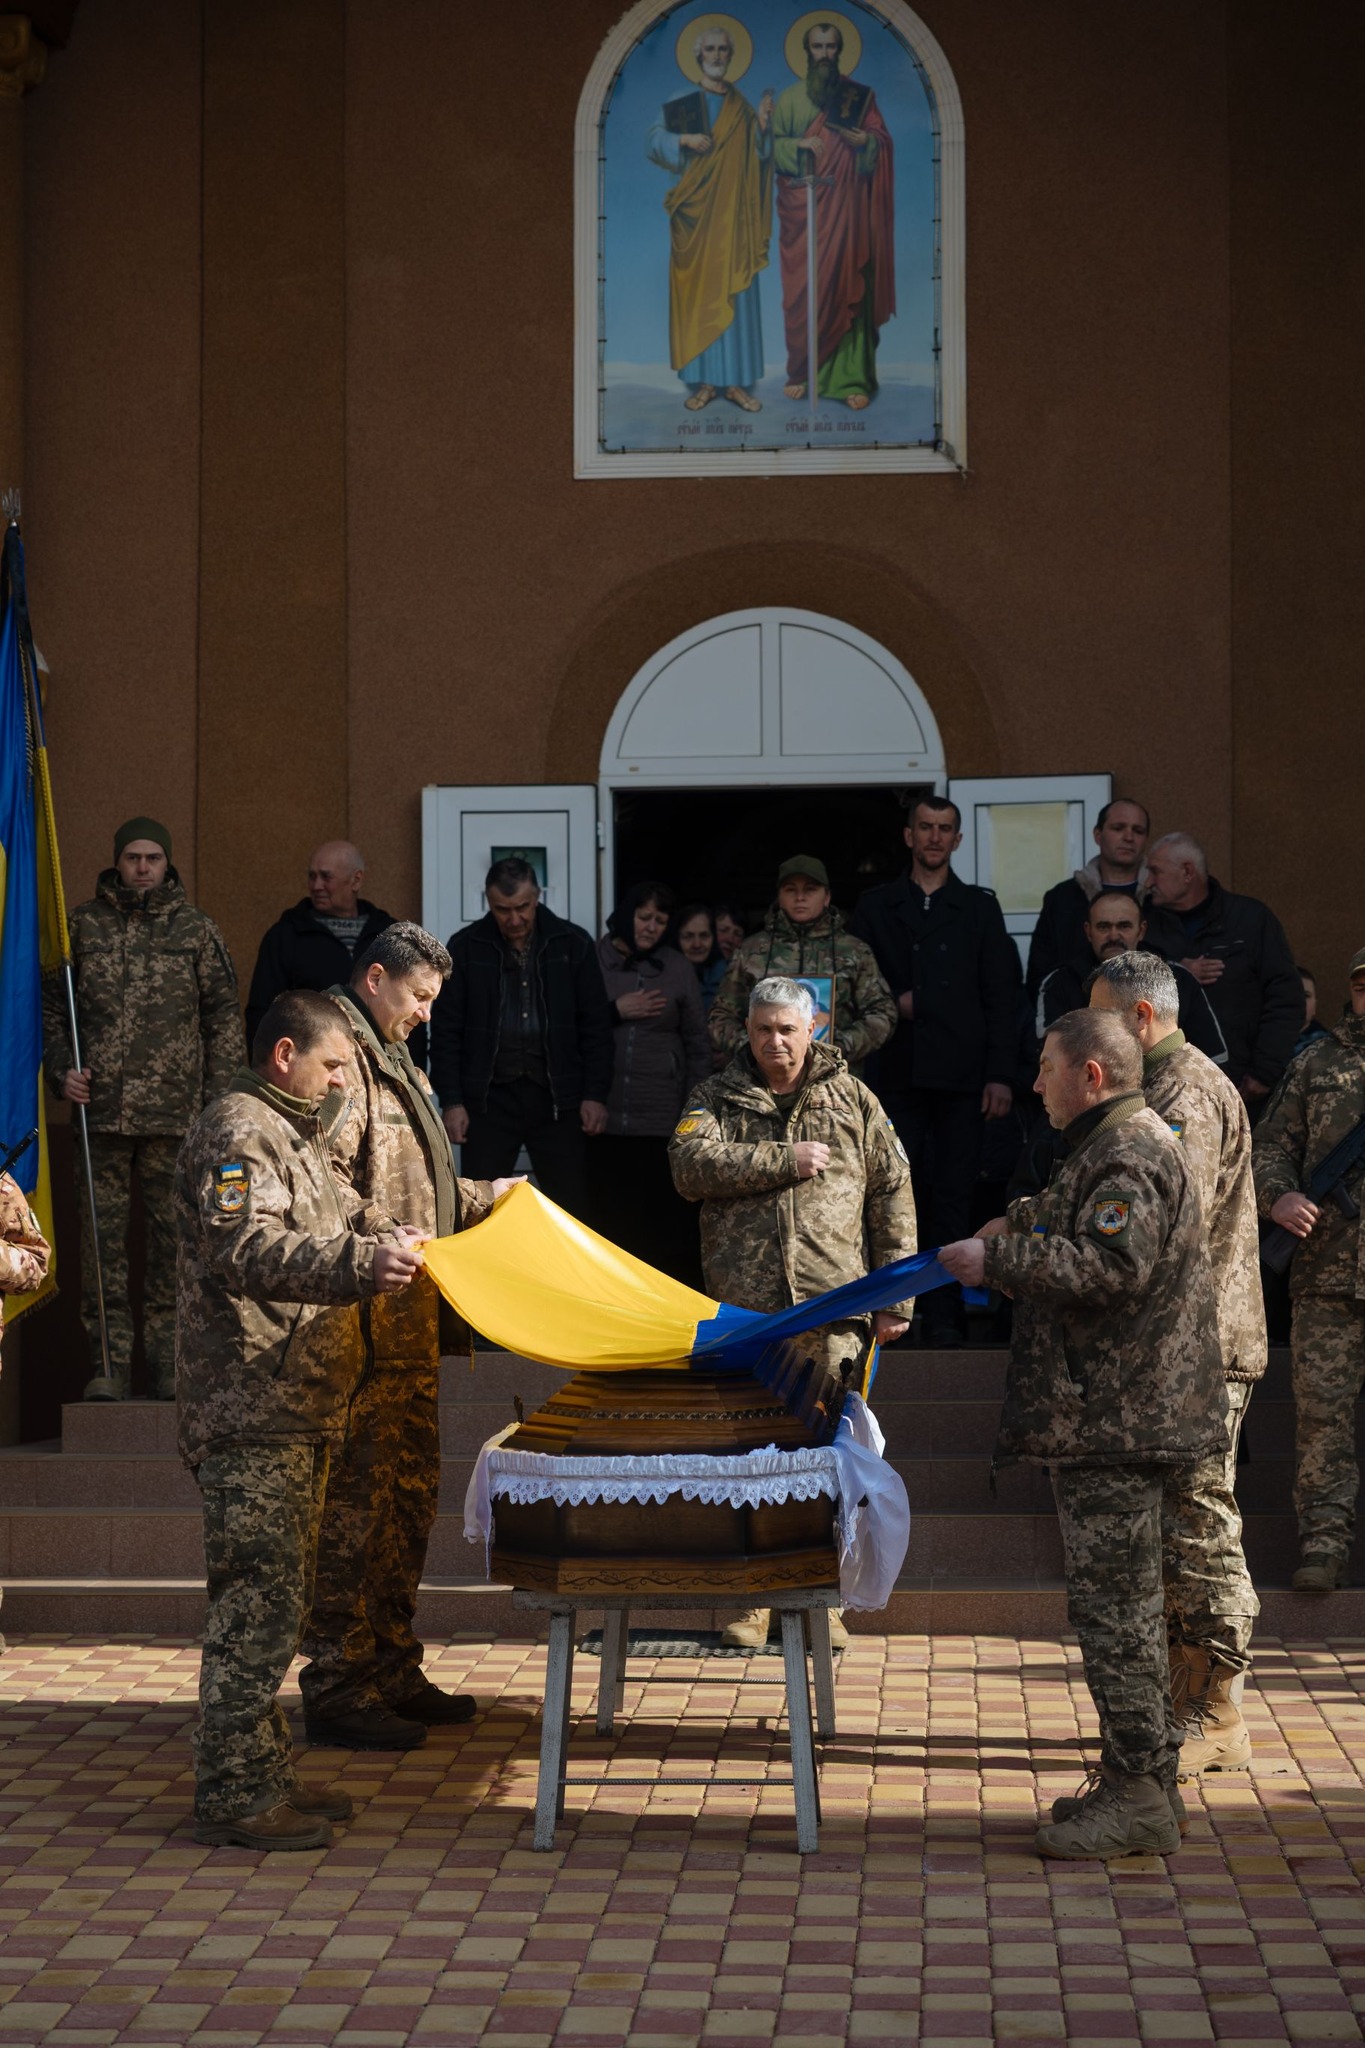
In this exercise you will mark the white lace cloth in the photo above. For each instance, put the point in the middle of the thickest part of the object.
(872, 1507)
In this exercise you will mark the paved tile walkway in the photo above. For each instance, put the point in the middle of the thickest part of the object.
(673, 1913)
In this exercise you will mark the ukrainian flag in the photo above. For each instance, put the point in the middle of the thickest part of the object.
(33, 935)
(536, 1281)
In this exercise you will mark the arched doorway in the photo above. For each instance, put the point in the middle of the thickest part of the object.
(761, 733)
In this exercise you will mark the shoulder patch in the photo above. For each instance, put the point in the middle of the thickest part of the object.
(685, 1127)
(231, 1186)
(1176, 1126)
(1109, 1214)
(895, 1139)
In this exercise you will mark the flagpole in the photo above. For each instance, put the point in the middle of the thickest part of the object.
(29, 667)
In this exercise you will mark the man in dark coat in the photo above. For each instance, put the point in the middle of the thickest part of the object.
(1236, 947)
(315, 943)
(1120, 836)
(521, 1040)
(1115, 1378)
(952, 967)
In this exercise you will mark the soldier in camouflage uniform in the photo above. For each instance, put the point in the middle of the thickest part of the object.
(1115, 1377)
(803, 1185)
(161, 1035)
(269, 1354)
(364, 1688)
(802, 935)
(1320, 1102)
(1211, 1604)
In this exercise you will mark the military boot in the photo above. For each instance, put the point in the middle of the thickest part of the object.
(1067, 1808)
(1216, 1736)
(1127, 1814)
(747, 1631)
(324, 1802)
(1320, 1570)
(105, 1388)
(281, 1826)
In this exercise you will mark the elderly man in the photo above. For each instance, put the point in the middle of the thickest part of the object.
(161, 1035)
(1113, 925)
(802, 1181)
(1211, 1604)
(803, 936)
(521, 1040)
(1120, 835)
(269, 1355)
(1321, 1105)
(1236, 947)
(314, 944)
(364, 1688)
(1115, 1376)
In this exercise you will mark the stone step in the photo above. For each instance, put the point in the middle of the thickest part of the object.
(452, 1608)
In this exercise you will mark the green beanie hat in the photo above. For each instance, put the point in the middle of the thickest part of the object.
(142, 828)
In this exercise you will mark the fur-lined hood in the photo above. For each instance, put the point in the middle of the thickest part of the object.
(1088, 879)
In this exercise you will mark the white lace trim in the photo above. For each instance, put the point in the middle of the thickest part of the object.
(872, 1508)
(753, 1480)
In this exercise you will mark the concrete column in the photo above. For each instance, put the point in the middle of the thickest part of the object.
(272, 633)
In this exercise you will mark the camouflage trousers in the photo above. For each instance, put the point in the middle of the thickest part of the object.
(381, 1503)
(1210, 1600)
(1110, 1518)
(1328, 1341)
(115, 1160)
(262, 1513)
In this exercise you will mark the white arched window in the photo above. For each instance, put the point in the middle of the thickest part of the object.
(698, 236)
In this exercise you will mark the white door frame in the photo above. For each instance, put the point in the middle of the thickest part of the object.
(919, 760)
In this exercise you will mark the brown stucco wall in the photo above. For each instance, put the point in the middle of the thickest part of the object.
(302, 524)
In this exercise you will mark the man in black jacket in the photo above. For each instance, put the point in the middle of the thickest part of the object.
(1235, 946)
(316, 941)
(953, 969)
(521, 1040)
(1120, 835)
(1115, 925)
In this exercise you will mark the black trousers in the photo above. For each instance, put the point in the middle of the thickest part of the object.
(941, 1131)
(523, 1113)
(635, 1204)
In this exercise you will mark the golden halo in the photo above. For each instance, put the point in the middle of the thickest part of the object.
(741, 42)
(848, 56)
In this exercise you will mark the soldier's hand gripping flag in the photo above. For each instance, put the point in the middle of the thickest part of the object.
(33, 938)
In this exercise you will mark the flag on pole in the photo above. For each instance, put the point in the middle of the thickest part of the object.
(33, 934)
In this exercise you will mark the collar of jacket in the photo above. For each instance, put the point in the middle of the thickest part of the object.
(1105, 1116)
(1162, 1050)
(824, 926)
(398, 1063)
(484, 930)
(952, 888)
(246, 1081)
(304, 918)
(165, 896)
(1349, 1030)
(749, 1080)
(1092, 883)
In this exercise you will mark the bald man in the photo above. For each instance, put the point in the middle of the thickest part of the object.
(317, 941)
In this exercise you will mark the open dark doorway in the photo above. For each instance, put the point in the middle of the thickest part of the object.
(714, 845)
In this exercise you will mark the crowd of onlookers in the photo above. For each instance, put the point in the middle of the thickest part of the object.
(579, 1050)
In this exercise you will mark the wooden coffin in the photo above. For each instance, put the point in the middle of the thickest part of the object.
(678, 1546)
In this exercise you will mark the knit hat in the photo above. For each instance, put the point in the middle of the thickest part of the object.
(142, 828)
(803, 864)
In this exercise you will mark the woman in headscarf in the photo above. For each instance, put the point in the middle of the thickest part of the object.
(697, 943)
(661, 1051)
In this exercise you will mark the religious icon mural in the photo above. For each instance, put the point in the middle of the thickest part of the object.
(769, 249)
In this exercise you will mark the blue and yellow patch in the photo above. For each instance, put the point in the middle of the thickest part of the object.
(231, 1186)
(1176, 1126)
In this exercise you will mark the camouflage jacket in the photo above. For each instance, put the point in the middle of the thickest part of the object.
(24, 1251)
(156, 1003)
(864, 1007)
(768, 1238)
(1196, 1100)
(1115, 1358)
(389, 1144)
(269, 1276)
(1320, 1102)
